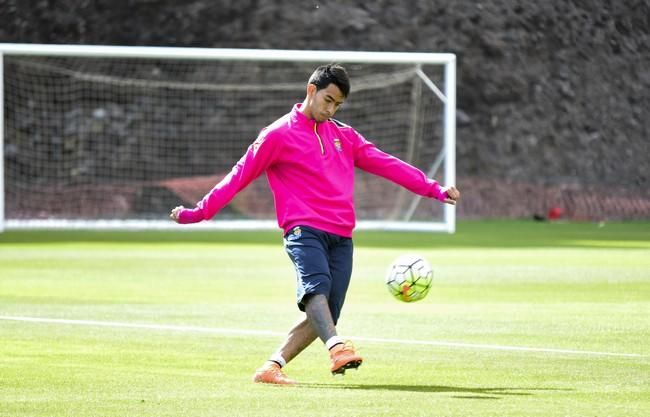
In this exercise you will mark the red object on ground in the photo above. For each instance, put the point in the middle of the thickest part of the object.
(554, 213)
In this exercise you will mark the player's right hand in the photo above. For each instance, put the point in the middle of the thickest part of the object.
(176, 211)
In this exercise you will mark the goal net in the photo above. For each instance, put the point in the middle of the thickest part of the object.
(114, 137)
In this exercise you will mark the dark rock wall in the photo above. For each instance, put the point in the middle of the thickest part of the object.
(550, 94)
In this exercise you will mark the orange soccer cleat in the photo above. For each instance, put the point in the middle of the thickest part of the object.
(344, 357)
(271, 373)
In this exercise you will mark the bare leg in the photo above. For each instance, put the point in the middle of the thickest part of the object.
(320, 317)
(318, 323)
(299, 337)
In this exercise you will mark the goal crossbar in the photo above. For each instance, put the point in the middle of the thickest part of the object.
(158, 52)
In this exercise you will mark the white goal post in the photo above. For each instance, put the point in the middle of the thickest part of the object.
(109, 137)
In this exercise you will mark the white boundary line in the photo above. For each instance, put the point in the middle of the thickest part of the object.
(172, 327)
(265, 333)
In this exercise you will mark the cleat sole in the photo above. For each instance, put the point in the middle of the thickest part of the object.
(349, 365)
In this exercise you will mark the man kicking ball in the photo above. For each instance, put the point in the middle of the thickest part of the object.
(309, 159)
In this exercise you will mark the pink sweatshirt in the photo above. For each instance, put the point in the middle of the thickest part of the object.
(310, 169)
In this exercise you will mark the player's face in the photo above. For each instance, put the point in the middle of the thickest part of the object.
(324, 103)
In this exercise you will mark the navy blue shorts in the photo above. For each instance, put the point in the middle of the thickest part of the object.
(323, 263)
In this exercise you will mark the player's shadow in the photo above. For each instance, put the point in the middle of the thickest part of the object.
(482, 393)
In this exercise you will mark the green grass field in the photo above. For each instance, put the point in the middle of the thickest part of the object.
(525, 319)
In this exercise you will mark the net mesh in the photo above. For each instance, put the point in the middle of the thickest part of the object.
(109, 138)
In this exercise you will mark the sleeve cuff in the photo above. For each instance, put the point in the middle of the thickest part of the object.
(439, 193)
(187, 216)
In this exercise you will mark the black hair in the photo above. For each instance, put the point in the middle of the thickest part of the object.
(331, 74)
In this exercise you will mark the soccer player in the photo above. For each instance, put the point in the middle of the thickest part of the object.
(309, 159)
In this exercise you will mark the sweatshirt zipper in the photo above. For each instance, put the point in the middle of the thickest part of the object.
(320, 141)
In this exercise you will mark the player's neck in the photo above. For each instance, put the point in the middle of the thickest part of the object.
(304, 109)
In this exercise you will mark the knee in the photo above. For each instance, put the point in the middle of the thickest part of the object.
(314, 302)
(319, 305)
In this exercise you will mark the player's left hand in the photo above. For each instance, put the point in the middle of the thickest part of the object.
(452, 195)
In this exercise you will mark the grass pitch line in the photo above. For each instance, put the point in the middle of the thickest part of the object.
(499, 347)
(179, 328)
(266, 333)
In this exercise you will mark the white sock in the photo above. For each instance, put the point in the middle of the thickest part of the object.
(277, 358)
(333, 341)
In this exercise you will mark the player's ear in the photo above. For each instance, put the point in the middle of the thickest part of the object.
(311, 89)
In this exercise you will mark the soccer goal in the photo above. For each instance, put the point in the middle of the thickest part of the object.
(114, 137)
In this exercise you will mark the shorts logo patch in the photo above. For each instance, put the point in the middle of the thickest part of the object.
(297, 232)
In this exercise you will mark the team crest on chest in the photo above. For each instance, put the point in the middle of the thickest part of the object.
(337, 144)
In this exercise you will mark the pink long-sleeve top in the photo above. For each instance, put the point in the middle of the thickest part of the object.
(310, 169)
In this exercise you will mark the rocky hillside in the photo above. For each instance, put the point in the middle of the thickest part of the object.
(553, 96)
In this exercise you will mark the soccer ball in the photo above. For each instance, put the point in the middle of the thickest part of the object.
(409, 278)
